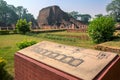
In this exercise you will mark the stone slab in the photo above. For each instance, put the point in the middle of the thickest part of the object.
(79, 62)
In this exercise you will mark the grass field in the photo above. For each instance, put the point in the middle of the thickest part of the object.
(8, 48)
(8, 44)
(69, 33)
(115, 43)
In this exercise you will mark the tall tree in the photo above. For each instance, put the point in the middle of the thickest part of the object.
(114, 9)
(98, 15)
(10, 14)
(23, 14)
(21, 11)
(7, 15)
(74, 14)
(85, 18)
(29, 18)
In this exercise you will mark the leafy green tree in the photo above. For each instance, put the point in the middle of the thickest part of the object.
(85, 18)
(101, 29)
(98, 15)
(23, 26)
(20, 11)
(10, 14)
(74, 14)
(114, 9)
(29, 18)
(7, 14)
(23, 14)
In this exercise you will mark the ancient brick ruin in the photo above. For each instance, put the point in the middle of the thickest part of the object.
(54, 18)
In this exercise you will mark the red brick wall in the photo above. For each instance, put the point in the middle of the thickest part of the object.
(29, 69)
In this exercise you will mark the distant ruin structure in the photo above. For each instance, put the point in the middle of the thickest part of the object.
(54, 18)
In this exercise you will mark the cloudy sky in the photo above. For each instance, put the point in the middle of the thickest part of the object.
(91, 7)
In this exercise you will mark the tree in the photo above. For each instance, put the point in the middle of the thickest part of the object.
(85, 18)
(74, 14)
(7, 14)
(20, 11)
(29, 18)
(114, 9)
(23, 14)
(101, 29)
(23, 26)
(98, 15)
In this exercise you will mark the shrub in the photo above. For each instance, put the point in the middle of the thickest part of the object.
(2, 70)
(25, 44)
(4, 75)
(23, 26)
(2, 32)
(2, 63)
(101, 29)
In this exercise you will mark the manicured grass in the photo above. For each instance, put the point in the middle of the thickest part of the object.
(114, 43)
(69, 33)
(8, 46)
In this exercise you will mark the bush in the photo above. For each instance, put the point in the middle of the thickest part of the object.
(101, 29)
(22, 26)
(25, 44)
(2, 70)
(2, 63)
(2, 32)
(4, 75)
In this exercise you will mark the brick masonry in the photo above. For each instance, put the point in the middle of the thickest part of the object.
(30, 69)
(40, 62)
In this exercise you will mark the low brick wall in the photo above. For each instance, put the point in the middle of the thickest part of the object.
(30, 69)
(107, 48)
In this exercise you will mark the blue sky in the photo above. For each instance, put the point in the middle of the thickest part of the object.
(91, 7)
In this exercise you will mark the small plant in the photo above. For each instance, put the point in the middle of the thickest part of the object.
(23, 26)
(25, 44)
(2, 63)
(2, 70)
(101, 29)
(4, 75)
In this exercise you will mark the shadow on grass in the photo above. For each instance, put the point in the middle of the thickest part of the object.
(4, 75)
(115, 38)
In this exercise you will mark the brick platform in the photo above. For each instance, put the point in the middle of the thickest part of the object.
(45, 61)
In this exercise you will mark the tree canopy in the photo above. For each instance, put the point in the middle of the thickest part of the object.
(9, 14)
(114, 9)
(83, 17)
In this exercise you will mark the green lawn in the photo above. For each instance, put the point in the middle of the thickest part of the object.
(114, 43)
(8, 44)
(69, 33)
(8, 48)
